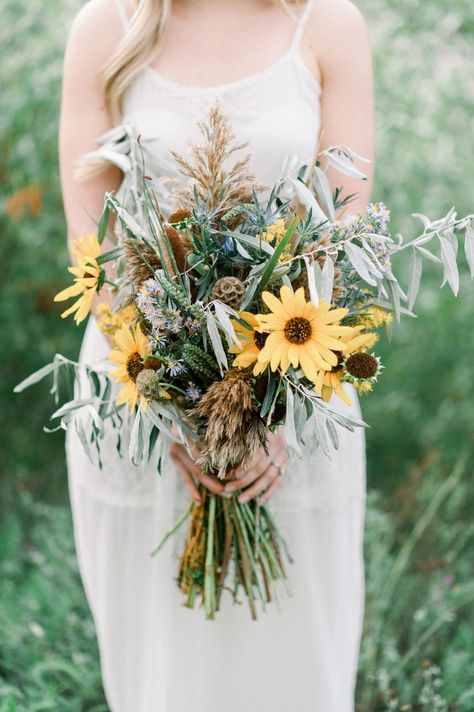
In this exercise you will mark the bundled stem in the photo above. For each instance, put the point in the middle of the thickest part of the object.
(228, 539)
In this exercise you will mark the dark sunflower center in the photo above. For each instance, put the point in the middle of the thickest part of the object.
(153, 363)
(259, 339)
(362, 365)
(340, 361)
(298, 330)
(134, 365)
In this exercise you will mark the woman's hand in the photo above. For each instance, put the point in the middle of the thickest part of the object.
(190, 472)
(264, 474)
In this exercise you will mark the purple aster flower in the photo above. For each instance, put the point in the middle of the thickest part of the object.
(193, 393)
(176, 367)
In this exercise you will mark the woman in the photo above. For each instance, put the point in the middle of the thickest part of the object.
(287, 75)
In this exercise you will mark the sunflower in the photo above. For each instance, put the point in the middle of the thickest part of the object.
(252, 343)
(300, 333)
(89, 278)
(329, 381)
(132, 345)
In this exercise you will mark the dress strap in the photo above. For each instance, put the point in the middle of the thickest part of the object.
(123, 14)
(301, 25)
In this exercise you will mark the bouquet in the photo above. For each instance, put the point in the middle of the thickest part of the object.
(244, 310)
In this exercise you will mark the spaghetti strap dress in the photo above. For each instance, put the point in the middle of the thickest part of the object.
(157, 655)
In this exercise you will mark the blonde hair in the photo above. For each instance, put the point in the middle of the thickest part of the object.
(139, 47)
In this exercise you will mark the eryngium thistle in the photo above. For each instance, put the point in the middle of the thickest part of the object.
(234, 431)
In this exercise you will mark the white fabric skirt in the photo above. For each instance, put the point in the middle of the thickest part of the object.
(159, 656)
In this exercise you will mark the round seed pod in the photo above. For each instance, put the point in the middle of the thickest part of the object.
(230, 291)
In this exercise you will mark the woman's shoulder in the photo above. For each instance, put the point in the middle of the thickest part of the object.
(96, 31)
(339, 20)
(337, 30)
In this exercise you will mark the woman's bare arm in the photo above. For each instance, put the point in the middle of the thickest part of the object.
(338, 36)
(95, 33)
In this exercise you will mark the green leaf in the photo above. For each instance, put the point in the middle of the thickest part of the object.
(469, 248)
(414, 270)
(292, 403)
(323, 190)
(250, 240)
(273, 261)
(267, 401)
(216, 342)
(448, 257)
(36, 377)
(113, 254)
(103, 224)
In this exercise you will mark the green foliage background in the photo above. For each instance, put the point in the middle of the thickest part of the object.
(418, 648)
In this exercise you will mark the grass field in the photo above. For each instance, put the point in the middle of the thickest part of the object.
(418, 648)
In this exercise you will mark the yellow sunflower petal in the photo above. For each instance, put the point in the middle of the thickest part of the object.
(293, 355)
(300, 301)
(326, 393)
(319, 355)
(284, 363)
(319, 381)
(357, 342)
(339, 390)
(71, 309)
(73, 291)
(287, 297)
(272, 321)
(84, 307)
(279, 353)
(322, 339)
(307, 363)
(275, 305)
(244, 360)
(274, 339)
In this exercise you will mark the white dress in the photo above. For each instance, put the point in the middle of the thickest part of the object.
(157, 655)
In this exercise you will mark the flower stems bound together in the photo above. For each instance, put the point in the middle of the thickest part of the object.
(222, 531)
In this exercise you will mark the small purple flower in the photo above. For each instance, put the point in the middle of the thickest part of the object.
(176, 367)
(159, 339)
(193, 393)
(175, 326)
(192, 325)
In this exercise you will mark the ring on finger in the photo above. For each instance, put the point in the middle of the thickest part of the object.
(277, 467)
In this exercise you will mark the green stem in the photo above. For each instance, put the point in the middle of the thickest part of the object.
(173, 530)
(209, 579)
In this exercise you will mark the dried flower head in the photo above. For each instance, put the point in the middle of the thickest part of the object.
(229, 290)
(141, 260)
(220, 188)
(233, 429)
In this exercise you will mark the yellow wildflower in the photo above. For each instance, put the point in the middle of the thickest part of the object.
(89, 278)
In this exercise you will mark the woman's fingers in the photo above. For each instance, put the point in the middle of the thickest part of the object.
(189, 466)
(257, 470)
(271, 490)
(209, 482)
(188, 481)
(261, 484)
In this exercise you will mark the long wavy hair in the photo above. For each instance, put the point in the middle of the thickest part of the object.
(139, 47)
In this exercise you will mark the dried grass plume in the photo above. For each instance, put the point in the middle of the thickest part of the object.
(220, 187)
(234, 431)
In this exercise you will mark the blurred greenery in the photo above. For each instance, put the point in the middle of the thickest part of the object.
(418, 647)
